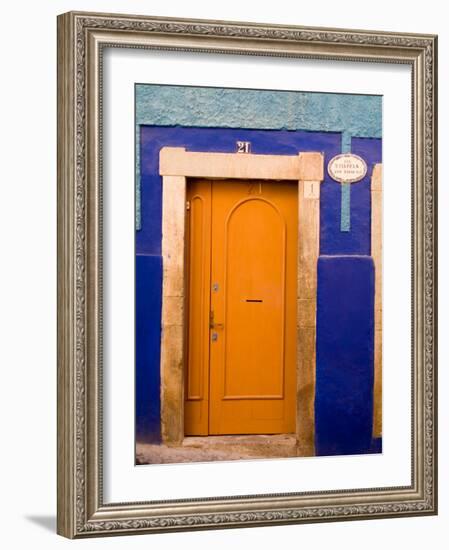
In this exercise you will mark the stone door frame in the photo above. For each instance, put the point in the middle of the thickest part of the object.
(175, 166)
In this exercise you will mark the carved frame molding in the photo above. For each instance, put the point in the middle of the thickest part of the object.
(81, 38)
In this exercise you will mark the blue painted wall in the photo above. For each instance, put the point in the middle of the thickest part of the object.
(332, 243)
(345, 355)
(148, 337)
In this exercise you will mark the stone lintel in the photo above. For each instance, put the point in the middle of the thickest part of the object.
(176, 161)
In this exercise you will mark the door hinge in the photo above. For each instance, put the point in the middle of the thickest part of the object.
(188, 205)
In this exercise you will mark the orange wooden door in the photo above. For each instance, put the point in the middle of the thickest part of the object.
(244, 301)
(198, 233)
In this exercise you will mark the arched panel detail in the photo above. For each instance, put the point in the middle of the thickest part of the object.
(255, 244)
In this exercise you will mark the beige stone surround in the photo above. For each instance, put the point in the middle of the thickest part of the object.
(176, 165)
(376, 253)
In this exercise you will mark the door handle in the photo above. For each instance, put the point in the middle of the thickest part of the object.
(212, 323)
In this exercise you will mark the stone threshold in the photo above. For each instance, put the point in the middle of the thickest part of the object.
(224, 447)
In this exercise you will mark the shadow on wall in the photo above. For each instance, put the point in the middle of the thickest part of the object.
(46, 522)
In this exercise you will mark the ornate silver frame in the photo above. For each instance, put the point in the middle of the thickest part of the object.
(81, 510)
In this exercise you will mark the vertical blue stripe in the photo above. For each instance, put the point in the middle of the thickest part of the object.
(137, 179)
(346, 142)
(345, 211)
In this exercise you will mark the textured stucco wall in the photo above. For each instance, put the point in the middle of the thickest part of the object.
(237, 108)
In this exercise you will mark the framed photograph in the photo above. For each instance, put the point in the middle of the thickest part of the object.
(246, 274)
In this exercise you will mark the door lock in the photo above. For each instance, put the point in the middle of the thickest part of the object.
(212, 323)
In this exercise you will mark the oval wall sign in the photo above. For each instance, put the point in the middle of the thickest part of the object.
(347, 168)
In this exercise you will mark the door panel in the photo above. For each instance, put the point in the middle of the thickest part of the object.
(251, 308)
(198, 228)
(253, 261)
(254, 287)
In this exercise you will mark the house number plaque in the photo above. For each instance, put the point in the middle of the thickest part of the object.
(243, 147)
